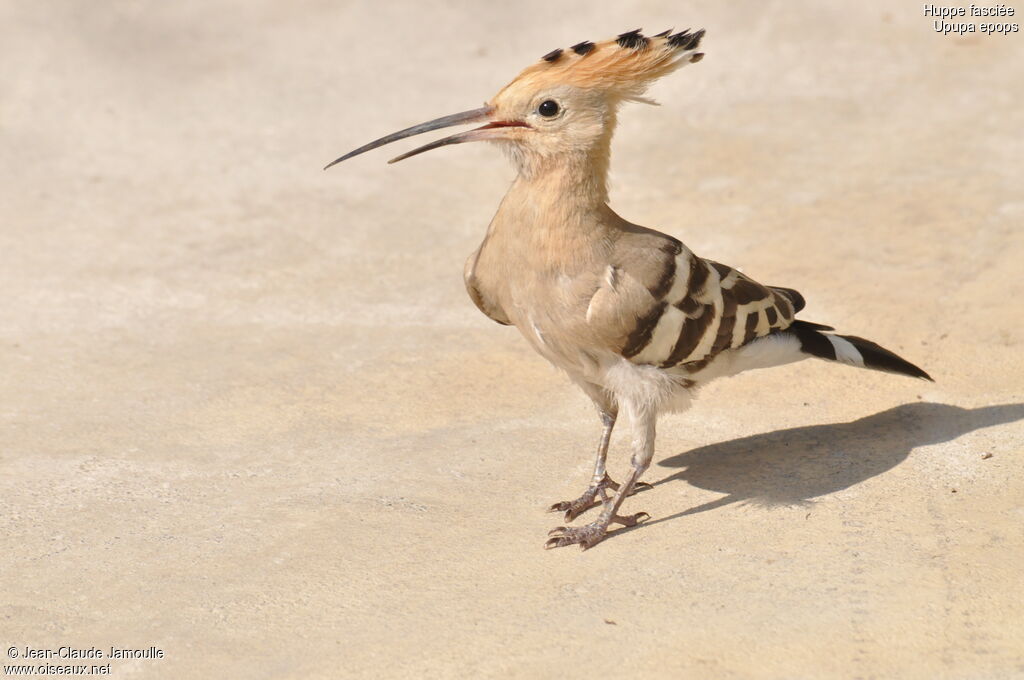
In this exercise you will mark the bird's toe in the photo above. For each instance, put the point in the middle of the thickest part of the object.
(631, 520)
(585, 536)
(578, 506)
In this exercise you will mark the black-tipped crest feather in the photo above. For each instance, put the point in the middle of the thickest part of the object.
(686, 40)
(553, 55)
(632, 40)
(583, 48)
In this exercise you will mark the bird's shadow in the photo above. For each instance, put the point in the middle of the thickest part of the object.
(791, 467)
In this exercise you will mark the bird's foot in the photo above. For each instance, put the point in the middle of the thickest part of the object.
(589, 535)
(589, 499)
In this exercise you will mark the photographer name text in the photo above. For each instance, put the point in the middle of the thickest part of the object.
(66, 652)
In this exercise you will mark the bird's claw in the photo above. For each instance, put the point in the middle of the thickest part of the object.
(631, 520)
(574, 509)
(585, 536)
(589, 535)
(589, 499)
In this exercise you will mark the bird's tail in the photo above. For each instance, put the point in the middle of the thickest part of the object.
(816, 341)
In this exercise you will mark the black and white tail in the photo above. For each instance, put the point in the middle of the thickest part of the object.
(816, 341)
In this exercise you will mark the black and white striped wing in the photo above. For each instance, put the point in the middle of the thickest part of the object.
(707, 308)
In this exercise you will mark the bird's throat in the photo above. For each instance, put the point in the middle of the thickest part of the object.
(577, 181)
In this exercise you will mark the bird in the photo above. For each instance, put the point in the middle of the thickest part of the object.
(634, 318)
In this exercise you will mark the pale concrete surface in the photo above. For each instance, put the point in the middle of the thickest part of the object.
(250, 417)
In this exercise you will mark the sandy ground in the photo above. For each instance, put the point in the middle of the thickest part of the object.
(250, 417)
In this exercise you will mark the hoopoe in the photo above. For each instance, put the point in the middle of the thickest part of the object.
(632, 315)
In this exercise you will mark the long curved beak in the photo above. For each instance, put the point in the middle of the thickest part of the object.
(473, 116)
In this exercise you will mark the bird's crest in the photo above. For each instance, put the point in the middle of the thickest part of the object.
(624, 65)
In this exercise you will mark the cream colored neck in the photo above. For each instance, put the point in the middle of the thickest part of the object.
(558, 217)
(563, 186)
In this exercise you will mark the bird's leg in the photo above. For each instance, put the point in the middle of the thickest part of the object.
(643, 422)
(600, 482)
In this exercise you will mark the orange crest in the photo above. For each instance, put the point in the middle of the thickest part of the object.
(625, 65)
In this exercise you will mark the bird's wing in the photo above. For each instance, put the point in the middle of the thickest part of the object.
(664, 306)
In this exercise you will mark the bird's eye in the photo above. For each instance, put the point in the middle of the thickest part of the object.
(548, 108)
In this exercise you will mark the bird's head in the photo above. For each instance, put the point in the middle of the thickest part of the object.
(564, 105)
